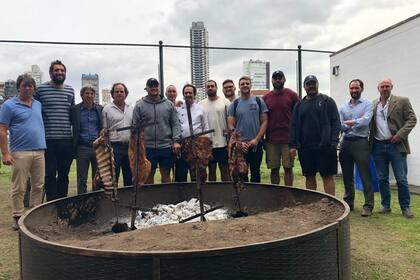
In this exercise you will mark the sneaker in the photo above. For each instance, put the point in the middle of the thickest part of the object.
(366, 212)
(15, 225)
(407, 213)
(384, 210)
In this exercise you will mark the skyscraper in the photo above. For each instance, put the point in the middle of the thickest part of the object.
(199, 58)
(36, 74)
(10, 89)
(259, 72)
(93, 81)
(106, 96)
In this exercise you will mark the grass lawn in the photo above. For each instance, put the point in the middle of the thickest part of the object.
(382, 246)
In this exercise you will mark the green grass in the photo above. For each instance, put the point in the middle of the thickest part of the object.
(382, 246)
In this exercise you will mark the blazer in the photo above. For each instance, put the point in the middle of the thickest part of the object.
(75, 121)
(401, 120)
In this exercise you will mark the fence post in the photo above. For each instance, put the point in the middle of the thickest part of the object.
(161, 80)
(299, 71)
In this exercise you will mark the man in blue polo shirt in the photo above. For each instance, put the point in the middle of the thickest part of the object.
(22, 116)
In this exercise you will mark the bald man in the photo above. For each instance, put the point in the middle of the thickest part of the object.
(171, 94)
(393, 119)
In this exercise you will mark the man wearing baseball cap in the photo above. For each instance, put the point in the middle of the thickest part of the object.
(314, 131)
(162, 137)
(280, 102)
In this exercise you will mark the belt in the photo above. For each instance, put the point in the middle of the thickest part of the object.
(382, 141)
(354, 138)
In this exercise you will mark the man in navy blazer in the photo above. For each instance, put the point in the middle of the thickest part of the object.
(86, 120)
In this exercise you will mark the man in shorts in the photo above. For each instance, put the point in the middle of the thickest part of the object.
(280, 102)
(314, 132)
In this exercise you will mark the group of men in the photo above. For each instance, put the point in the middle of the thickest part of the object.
(47, 130)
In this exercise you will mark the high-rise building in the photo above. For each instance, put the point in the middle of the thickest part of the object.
(10, 89)
(199, 38)
(36, 74)
(2, 96)
(106, 96)
(93, 81)
(259, 72)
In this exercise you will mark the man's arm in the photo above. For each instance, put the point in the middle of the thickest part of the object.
(7, 157)
(364, 120)
(410, 120)
(176, 130)
(335, 122)
(261, 131)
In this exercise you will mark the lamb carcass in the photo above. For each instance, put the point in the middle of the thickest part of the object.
(144, 165)
(204, 148)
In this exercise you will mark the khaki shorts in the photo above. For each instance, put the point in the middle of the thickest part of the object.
(277, 155)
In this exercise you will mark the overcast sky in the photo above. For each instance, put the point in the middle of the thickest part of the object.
(323, 25)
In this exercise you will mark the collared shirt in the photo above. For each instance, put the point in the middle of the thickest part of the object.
(25, 125)
(114, 118)
(89, 124)
(198, 116)
(382, 129)
(217, 115)
(361, 114)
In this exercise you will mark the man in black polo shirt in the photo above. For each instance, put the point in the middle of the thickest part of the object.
(86, 121)
(314, 131)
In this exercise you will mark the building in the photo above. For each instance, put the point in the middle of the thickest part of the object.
(36, 74)
(199, 58)
(259, 72)
(10, 89)
(391, 53)
(93, 81)
(106, 96)
(259, 92)
(2, 96)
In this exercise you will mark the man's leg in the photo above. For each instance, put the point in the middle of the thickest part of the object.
(65, 154)
(94, 168)
(224, 172)
(181, 170)
(255, 163)
(361, 154)
(20, 175)
(212, 171)
(288, 163)
(288, 176)
(329, 185)
(347, 167)
(310, 182)
(275, 176)
(116, 147)
(165, 174)
(82, 163)
(51, 154)
(399, 166)
(308, 163)
(37, 172)
(380, 156)
(125, 166)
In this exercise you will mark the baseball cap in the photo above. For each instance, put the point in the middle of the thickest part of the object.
(277, 74)
(152, 82)
(310, 78)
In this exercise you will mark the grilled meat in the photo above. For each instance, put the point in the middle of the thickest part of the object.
(204, 155)
(237, 164)
(144, 165)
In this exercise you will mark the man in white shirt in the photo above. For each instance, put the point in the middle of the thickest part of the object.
(115, 115)
(199, 124)
(216, 108)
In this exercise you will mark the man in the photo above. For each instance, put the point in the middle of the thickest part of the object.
(162, 137)
(119, 114)
(248, 115)
(86, 121)
(56, 99)
(22, 116)
(355, 116)
(171, 94)
(393, 119)
(229, 89)
(314, 131)
(216, 110)
(280, 102)
(199, 124)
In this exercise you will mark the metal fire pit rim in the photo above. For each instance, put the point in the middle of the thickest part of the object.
(260, 246)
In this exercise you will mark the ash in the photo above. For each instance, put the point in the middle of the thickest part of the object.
(163, 214)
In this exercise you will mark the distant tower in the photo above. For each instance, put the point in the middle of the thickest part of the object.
(199, 38)
(2, 95)
(10, 89)
(93, 81)
(36, 74)
(106, 96)
(259, 72)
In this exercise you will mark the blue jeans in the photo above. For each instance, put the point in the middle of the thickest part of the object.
(385, 153)
(122, 162)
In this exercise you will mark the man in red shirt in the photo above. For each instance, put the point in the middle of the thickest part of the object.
(280, 102)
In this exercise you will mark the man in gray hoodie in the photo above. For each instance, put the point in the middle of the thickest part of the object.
(162, 137)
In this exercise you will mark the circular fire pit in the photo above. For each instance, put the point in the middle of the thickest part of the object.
(322, 253)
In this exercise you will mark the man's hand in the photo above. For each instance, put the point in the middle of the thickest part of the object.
(245, 147)
(8, 159)
(349, 122)
(176, 147)
(252, 143)
(293, 153)
(395, 139)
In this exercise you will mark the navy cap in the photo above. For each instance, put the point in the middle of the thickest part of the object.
(152, 82)
(310, 78)
(277, 74)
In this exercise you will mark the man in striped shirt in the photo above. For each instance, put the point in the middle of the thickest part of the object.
(56, 99)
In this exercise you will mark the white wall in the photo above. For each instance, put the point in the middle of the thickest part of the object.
(393, 54)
